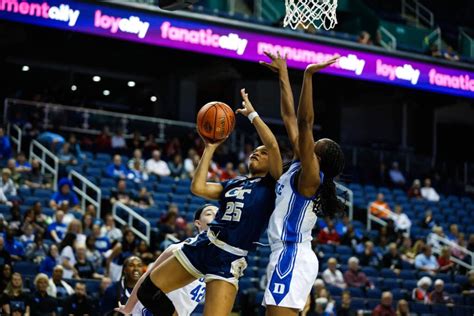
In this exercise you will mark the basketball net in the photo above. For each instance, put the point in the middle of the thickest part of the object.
(306, 13)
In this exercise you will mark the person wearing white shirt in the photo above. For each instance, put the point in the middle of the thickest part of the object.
(332, 276)
(396, 176)
(157, 166)
(6, 183)
(429, 193)
(109, 229)
(118, 141)
(402, 222)
(188, 162)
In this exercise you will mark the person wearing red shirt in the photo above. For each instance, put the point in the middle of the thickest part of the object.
(329, 235)
(444, 260)
(385, 307)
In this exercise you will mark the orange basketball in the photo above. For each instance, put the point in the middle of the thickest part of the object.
(215, 121)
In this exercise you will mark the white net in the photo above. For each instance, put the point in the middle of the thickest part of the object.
(306, 13)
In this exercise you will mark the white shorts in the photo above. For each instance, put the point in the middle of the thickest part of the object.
(291, 274)
(187, 298)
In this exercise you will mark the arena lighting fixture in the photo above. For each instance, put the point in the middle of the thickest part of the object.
(96, 79)
(106, 92)
(73, 87)
(25, 68)
(153, 98)
(131, 84)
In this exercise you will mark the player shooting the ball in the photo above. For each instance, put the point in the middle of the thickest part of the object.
(218, 254)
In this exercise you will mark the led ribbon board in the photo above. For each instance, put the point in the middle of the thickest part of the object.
(207, 38)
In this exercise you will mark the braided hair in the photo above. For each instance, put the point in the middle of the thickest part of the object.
(331, 163)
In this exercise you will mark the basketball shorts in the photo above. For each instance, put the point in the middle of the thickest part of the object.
(204, 259)
(291, 273)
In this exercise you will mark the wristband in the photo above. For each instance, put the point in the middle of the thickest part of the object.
(252, 116)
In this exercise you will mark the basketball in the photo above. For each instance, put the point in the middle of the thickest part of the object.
(215, 121)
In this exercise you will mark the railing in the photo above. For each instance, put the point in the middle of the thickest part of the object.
(372, 218)
(392, 43)
(132, 218)
(270, 7)
(349, 201)
(437, 242)
(434, 37)
(42, 157)
(19, 134)
(419, 11)
(82, 187)
(463, 36)
(90, 121)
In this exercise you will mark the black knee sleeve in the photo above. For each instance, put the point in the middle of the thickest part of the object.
(154, 299)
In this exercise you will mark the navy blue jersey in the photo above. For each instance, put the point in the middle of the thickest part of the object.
(245, 208)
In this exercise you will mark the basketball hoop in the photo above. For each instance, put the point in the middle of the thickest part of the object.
(306, 13)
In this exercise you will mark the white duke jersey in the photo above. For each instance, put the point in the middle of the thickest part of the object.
(293, 218)
(187, 298)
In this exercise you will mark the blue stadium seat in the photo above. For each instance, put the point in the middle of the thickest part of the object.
(24, 192)
(439, 309)
(183, 190)
(167, 180)
(358, 304)
(409, 284)
(344, 250)
(451, 288)
(94, 172)
(184, 182)
(197, 200)
(107, 182)
(252, 261)
(419, 308)
(245, 284)
(391, 283)
(407, 274)
(388, 273)
(445, 277)
(264, 251)
(374, 293)
(30, 200)
(326, 248)
(179, 199)
(4, 210)
(92, 286)
(334, 290)
(463, 311)
(164, 188)
(356, 292)
(371, 304)
(460, 279)
(25, 267)
(263, 262)
(399, 294)
(104, 157)
(370, 271)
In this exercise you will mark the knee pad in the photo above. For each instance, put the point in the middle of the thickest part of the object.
(154, 299)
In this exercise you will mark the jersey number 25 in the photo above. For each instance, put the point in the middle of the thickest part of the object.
(233, 211)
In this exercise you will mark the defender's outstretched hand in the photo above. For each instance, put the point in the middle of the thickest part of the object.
(278, 62)
(314, 68)
(246, 104)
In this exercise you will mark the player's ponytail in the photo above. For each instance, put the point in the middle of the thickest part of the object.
(331, 164)
(327, 204)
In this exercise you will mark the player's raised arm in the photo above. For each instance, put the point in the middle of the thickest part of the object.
(265, 134)
(287, 103)
(309, 178)
(199, 185)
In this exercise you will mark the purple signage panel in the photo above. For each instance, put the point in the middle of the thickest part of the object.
(207, 38)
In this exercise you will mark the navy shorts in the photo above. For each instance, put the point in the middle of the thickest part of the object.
(202, 259)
